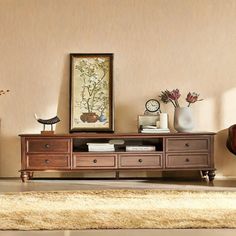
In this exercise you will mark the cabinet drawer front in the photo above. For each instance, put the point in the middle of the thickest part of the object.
(140, 161)
(93, 161)
(186, 144)
(185, 160)
(48, 145)
(44, 162)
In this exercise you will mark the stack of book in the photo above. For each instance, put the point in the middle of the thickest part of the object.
(144, 148)
(153, 129)
(101, 147)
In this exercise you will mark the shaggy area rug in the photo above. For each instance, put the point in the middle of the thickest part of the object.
(117, 209)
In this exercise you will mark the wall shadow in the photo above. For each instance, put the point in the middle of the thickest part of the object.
(10, 156)
(224, 159)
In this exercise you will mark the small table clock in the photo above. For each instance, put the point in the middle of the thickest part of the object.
(152, 107)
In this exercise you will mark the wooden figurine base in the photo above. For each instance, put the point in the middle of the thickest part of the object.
(47, 132)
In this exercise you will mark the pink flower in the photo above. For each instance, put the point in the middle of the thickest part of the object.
(174, 95)
(192, 98)
(164, 96)
(171, 96)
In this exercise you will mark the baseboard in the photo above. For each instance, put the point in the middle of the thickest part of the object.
(221, 177)
(9, 177)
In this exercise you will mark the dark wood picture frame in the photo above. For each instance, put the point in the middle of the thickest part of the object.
(91, 92)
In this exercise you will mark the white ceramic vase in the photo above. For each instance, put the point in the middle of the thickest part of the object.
(183, 119)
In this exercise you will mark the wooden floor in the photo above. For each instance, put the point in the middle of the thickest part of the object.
(15, 185)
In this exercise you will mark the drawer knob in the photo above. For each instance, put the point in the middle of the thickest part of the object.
(187, 145)
(140, 160)
(46, 161)
(47, 145)
(187, 160)
(95, 161)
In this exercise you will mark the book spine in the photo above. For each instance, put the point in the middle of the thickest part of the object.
(101, 144)
(100, 149)
(141, 148)
(154, 132)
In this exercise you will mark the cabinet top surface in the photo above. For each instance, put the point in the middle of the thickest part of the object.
(118, 135)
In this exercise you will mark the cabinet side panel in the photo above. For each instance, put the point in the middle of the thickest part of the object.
(23, 150)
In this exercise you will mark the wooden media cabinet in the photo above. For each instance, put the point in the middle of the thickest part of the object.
(69, 152)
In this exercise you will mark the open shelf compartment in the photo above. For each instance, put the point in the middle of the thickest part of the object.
(80, 145)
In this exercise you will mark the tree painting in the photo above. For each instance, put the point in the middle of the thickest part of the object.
(91, 91)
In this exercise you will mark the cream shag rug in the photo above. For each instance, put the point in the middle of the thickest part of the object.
(117, 209)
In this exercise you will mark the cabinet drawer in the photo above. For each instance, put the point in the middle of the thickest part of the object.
(186, 144)
(140, 161)
(44, 162)
(48, 145)
(185, 160)
(93, 161)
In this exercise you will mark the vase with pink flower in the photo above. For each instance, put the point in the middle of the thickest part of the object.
(183, 116)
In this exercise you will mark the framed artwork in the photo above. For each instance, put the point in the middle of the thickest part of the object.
(91, 91)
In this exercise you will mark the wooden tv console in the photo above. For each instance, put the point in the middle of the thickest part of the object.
(69, 152)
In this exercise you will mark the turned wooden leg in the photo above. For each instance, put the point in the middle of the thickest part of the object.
(30, 175)
(204, 173)
(211, 175)
(24, 176)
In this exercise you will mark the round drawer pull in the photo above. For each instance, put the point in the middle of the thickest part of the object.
(140, 160)
(187, 145)
(47, 145)
(46, 161)
(187, 160)
(95, 161)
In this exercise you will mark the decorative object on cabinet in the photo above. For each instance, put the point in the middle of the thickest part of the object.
(153, 124)
(152, 107)
(163, 121)
(183, 117)
(45, 122)
(149, 124)
(151, 117)
(91, 91)
(231, 139)
(69, 152)
(145, 120)
(153, 130)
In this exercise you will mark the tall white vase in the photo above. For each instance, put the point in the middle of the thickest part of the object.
(183, 119)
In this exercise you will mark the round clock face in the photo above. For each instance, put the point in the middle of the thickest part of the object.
(152, 105)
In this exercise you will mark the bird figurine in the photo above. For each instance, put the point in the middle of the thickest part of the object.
(51, 121)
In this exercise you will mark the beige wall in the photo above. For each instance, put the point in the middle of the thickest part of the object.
(157, 44)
